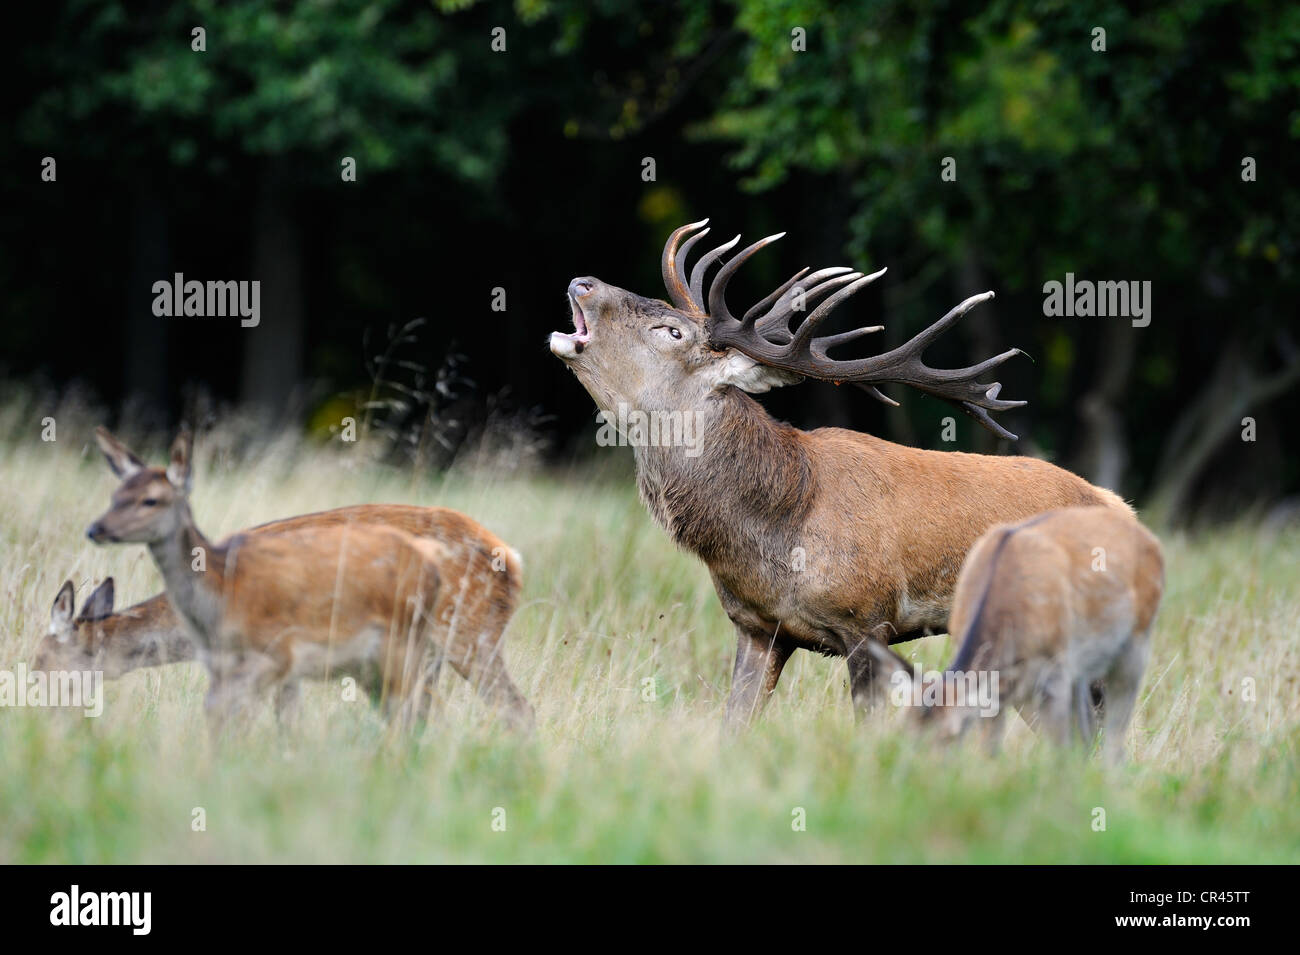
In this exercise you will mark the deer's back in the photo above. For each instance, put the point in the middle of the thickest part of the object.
(481, 573)
(1070, 584)
(468, 545)
(325, 585)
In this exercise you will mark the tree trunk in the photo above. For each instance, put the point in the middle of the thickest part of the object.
(1103, 453)
(273, 350)
(1235, 388)
(145, 367)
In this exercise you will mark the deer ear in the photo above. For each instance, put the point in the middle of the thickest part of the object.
(887, 661)
(61, 612)
(738, 370)
(100, 603)
(120, 459)
(179, 471)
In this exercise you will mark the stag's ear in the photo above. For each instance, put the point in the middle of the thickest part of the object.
(740, 371)
(888, 663)
(120, 459)
(179, 472)
(61, 612)
(100, 603)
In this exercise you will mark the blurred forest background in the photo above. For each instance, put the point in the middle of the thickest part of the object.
(519, 169)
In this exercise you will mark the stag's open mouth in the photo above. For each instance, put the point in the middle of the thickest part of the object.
(581, 335)
(566, 344)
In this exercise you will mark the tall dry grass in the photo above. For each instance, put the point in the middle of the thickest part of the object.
(614, 773)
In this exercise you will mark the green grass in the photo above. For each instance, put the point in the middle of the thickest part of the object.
(609, 776)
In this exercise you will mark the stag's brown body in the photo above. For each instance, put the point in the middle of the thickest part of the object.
(818, 540)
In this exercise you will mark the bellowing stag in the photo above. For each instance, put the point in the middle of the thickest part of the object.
(819, 540)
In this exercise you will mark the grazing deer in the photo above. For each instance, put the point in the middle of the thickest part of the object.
(1059, 606)
(319, 596)
(819, 540)
(150, 634)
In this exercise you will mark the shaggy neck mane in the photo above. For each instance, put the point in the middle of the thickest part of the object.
(752, 477)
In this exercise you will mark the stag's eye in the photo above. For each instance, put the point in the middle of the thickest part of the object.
(149, 502)
(676, 333)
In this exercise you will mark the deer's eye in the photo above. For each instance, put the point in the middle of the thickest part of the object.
(674, 332)
(149, 502)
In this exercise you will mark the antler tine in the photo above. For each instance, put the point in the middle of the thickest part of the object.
(717, 291)
(923, 338)
(671, 266)
(764, 335)
(776, 323)
(974, 371)
(702, 266)
(984, 418)
(877, 394)
(825, 308)
(851, 283)
(828, 342)
(767, 302)
(907, 356)
(957, 386)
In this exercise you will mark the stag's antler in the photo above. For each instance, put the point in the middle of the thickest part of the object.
(765, 335)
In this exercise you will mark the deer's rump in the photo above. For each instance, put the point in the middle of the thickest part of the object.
(323, 585)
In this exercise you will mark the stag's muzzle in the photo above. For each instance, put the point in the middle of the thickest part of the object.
(568, 345)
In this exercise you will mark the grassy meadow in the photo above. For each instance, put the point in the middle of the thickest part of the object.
(612, 776)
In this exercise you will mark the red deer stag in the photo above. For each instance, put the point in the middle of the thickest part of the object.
(1056, 606)
(821, 540)
(321, 598)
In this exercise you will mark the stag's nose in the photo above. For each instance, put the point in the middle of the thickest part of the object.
(581, 287)
(95, 531)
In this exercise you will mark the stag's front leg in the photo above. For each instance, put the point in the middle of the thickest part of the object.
(760, 658)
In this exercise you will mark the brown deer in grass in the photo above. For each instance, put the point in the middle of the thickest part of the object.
(1057, 606)
(820, 540)
(150, 634)
(320, 596)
